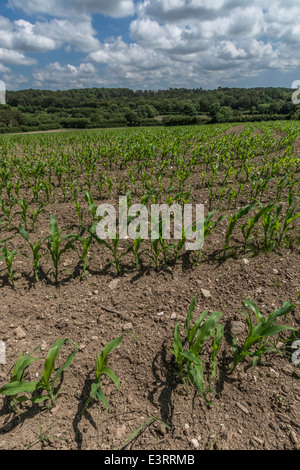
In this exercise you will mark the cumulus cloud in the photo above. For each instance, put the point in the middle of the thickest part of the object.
(179, 10)
(118, 53)
(14, 57)
(75, 8)
(59, 76)
(77, 33)
(186, 43)
(196, 43)
(21, 36)
(14, 81)
(43, 36)
(4, 69)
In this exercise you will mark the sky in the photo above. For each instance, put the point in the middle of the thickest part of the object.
(149, 44)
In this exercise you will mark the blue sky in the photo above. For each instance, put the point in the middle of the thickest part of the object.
(149, 44)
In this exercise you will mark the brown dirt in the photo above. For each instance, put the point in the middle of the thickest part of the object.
(236, 129)
(254, 408)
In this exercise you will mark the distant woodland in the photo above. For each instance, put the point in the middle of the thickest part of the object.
(33, 110)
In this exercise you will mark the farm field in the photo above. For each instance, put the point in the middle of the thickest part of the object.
(230, 383)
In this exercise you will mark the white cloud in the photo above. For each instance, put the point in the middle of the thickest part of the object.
(14, 57)
(127, 57)
(77, 33)
(43, 36)
(21, 36)
(14, 81)
(4, 69)
(185, 43)
(225, 45)
(179, 10)
(58, 76)
(75, 8)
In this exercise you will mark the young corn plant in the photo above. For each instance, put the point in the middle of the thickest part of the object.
(35, 250)
(102, 369)
(209, 226)
(233, 194)
(8, 256)
(289, 217)
(79, 210)
(24, 213)
(7, 209)
(17, 383)
(84, 253)
(189, 360)
(92, 207)
(100, 184)
(233, 220)
(154, 252)
(36, 213)
(113, 248)
(217, 336)
(248, 227)
(110, 184)
(24, 206)
(271, 225)
(258, 340)
(55, 241)
(135, 248)
(211, 194)
(159, 246)
(48, 189)
(46, 382)
(177, 247)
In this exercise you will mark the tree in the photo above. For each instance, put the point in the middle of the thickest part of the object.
(188, 109)
(132, 118)
(214, 110)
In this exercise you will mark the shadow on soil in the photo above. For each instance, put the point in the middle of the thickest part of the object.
(85, 393)
(163, 370)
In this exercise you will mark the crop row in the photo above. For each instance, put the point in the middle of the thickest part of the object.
(157, 167)
(201, 339)
(262, 227)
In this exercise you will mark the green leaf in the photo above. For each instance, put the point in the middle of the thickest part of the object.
(103, 242)
(40, 399)
(102, 357)
(66, 364)
(274, 330)
(99, 395)
(177, 344)
(50, 360)
(107, 371)
(205, 331)
(252, 305)
(24, 233)
(22, 399)
(22, 366)
(53, 225)
(190, 313)
(14, 388)
(191, 333)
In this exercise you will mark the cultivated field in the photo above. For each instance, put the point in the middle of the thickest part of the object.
(196, 349)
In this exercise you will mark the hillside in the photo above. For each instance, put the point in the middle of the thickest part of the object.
(31, 110)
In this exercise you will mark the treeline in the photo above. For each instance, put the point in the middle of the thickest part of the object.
(29, 110)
